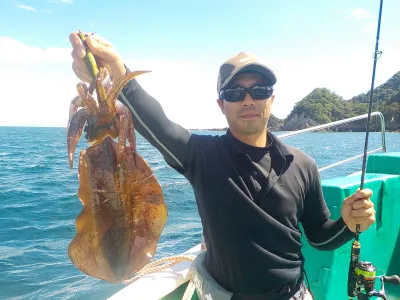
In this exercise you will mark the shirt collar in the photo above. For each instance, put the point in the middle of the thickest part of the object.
(276, 145)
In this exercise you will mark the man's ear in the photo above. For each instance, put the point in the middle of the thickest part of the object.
(221, 105)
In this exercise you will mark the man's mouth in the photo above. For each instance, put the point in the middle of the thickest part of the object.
(249, 116)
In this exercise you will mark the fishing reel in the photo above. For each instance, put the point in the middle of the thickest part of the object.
(362, 278)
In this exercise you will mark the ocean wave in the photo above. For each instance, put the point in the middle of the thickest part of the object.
(7, 252)
(175, 184)
(36, 168)
(21, 205)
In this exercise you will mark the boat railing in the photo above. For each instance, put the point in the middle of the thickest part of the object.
(340, 122)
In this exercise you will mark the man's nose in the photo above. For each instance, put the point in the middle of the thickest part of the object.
(248, 100)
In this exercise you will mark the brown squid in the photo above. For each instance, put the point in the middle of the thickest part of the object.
(123, 211)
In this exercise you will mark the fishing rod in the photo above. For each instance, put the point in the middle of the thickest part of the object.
(362, 274)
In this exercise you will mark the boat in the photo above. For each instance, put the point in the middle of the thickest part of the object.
(327, 271)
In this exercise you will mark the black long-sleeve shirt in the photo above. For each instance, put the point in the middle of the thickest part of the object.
(250, 199)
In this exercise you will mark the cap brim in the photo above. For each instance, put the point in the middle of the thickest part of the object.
(254, 67)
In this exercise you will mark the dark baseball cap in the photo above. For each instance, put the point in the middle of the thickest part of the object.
(243, 62)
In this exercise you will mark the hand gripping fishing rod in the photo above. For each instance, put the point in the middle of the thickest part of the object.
(362, 274)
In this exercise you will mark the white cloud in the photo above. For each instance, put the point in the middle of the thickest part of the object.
(348, 74)
(12, 51)
(36, 83)
(356, 14)
(37, 95)
(26, 7)
(44, 84)
(361, 13)
(186, 90)
(38, 90)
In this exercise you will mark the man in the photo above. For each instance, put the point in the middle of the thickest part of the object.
(250, 188)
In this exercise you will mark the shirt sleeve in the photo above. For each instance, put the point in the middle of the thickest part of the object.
(149, 119)
(321, 231)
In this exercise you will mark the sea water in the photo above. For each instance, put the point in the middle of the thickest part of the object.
(39, 204)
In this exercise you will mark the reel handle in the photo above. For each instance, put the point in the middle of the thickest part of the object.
(393, 279)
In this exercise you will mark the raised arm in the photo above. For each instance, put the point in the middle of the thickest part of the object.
(151, 122)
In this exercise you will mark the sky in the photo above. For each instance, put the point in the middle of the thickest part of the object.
(307, 43)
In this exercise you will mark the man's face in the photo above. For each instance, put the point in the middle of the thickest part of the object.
(247, 117)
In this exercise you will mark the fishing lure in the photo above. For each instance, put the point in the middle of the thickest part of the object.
(89, 57)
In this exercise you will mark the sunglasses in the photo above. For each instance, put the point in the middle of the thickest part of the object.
(238, 94)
